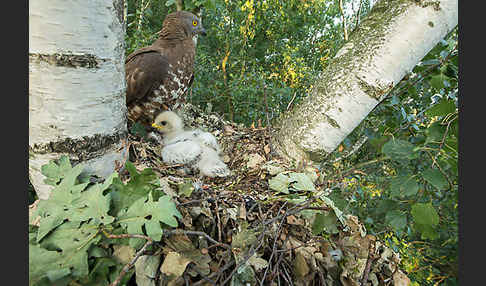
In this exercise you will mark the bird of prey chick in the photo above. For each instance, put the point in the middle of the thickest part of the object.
(194, 148)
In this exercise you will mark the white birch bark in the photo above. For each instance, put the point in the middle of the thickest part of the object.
(76, 85)
(389, 42)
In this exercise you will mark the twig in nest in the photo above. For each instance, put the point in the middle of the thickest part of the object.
(134, 259)
(286, 276)
(191, 232)
(274, 243)
(371, 258)
(218, 274)
(250, 254)
(253, 249)
(218, 218)
(204, 278)
(200, 200)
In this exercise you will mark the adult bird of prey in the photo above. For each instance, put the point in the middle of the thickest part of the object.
(159, 75)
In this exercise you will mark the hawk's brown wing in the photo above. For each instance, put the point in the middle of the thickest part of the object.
(145, 70)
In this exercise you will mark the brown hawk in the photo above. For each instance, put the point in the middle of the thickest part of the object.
(159, 75)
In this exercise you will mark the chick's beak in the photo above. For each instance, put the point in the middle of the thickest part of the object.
(155, 125)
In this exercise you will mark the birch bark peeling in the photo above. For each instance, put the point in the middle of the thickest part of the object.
(76, 85)
(389, 42)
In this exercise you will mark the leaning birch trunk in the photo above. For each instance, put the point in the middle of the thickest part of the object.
(76, 85)
(392, 39)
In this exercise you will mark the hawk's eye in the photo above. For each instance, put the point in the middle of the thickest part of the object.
(194, 23)
(163, 123)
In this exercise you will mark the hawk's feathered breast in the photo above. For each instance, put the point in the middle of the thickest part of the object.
(159, 75)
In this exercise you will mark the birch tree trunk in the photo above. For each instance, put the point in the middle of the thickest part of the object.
(76, 85)
(389, 42)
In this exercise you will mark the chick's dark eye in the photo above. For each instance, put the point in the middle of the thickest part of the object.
(163, 123)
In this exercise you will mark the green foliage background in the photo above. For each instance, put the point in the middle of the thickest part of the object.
(261, 57)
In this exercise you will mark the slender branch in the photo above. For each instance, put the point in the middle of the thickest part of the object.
(344, 20)
(219, 219)
(358, 14)
(273, 248)
(371, 257)
(134, 259)
(440, 169)
(441, 145)
(292, 100)
(140, 16)
(345, 173)
(266, 104)
(199, 233)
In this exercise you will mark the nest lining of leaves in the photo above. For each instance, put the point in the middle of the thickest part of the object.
(266, 224)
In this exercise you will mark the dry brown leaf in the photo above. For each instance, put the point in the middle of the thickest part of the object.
(174, 264)
(228, 130)
(291, 219)
(300, 265)
(400, 279)
(123, 253)
(242, 211)
(254, 160)
(266, 148)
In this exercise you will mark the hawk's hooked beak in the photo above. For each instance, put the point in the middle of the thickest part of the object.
(156, 126)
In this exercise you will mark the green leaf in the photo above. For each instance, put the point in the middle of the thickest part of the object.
(59, 206)
(186, 188)
(166, 211)
(74, 242)
(302, 182)
(325, 222)
(437, 81)
(244, 238)
(280, 183)
(403, 186)
(137, 215)
(93, 205)
(41, 262)
(138, 129)
(427, 231)
(451, 145)
(435, 132)
(425, 214)
(55, 172)
(139, 186)
(396, 219)
(384, 206)
(435, 178)
(169, 3)
(68, 202)
(398, 149)
(443, 107)
(425, 218)
(100, 272)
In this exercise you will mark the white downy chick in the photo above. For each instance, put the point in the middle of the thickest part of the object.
(195, 148)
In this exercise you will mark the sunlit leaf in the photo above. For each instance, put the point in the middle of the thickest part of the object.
(398, 149)
(435, 178)
(443, 107)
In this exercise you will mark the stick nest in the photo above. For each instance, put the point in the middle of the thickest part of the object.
(239, 231)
